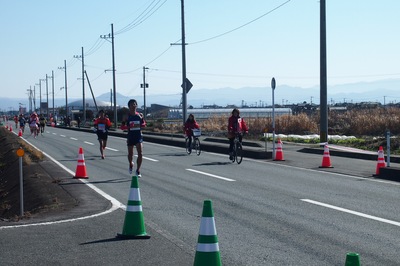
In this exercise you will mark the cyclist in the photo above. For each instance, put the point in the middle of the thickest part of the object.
(236, 125)
(22, 122)
(102, 125)
(190, 124)
(135, 124)
(42, 123)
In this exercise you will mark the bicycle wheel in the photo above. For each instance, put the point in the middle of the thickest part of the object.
(188, 149)
(239, 154)
(197, 146)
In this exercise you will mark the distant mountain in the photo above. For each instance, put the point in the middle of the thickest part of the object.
(384, 91)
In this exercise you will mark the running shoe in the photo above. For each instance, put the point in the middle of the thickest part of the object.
(130, 170)
(138, 174)
(230, 156)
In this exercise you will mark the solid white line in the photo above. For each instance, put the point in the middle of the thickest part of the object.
(115, 203)
(73, 138)
(216, 176)
(353, 212)
(111, 149)
(88, 143)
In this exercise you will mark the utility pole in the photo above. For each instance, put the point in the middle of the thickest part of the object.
(184, 83)
(65, 87)
(47, 97)
(111, 36)
(83, 84)
(40, 94)
(34, 98)
(144, 86)
(29, 92)
(52, 89)
(323, 76)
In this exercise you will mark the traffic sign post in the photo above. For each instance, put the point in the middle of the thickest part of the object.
(273, 85)
(20, 154)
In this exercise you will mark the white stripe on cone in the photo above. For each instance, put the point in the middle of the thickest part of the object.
(208, 247)
(207, 226)
(134, 194)
(135, 208)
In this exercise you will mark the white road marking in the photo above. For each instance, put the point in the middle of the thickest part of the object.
(73, 138)
(111, 149)
(150, 159)
(115, 203)
(216, 176)
(54, 133)
(62, 136)
(352, 212)
(88, 143)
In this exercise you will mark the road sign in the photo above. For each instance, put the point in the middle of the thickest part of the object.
(273, 83)
(189, 85)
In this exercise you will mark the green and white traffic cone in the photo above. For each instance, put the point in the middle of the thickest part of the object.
(352, 259)
(207, 251)
(134, 227)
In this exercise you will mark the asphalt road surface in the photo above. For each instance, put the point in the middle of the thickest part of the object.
(267, 213)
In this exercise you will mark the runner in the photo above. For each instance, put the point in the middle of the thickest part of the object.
(22, 122)
(102, 124)
(135, 138)
(33, 124)
(42, 123)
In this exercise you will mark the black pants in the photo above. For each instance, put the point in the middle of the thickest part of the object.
(231, 141)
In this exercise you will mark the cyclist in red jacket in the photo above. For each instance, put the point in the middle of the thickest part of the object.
(190, 124)
(236, 124)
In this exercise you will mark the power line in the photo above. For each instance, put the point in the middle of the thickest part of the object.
(225, 33)
(147, 13)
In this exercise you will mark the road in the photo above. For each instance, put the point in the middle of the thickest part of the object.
(266, 213)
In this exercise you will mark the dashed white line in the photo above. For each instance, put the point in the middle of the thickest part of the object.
(62, 136)
(73, 138)
(88, 143)
(111, 149)
(216, 176)
(54, 133)
(352, 212)
(150, 159)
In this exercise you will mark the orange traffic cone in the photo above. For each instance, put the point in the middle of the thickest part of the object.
(381, 160)
(326, 158)
(20, 133)
(279, 151)
(81, 167)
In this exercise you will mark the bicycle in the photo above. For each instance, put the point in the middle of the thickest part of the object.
(195, 142)
(237, 153)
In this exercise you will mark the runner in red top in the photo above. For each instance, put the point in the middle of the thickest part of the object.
(102, 124)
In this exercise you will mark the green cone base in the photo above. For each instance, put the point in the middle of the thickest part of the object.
(207, 258)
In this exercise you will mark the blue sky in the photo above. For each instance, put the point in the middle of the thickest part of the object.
(37, 36)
